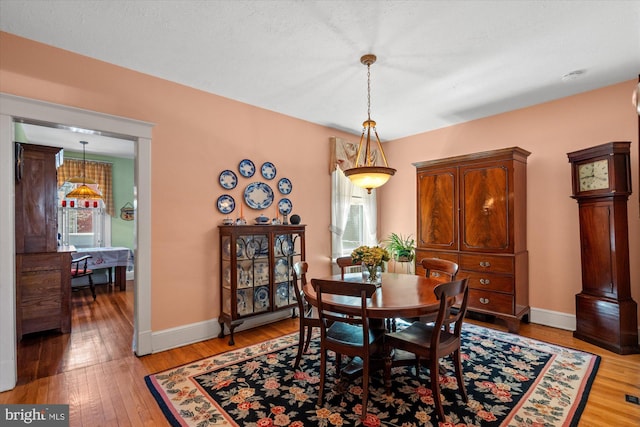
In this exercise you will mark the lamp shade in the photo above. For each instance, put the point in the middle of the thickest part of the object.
(369, 177)
(83, 192)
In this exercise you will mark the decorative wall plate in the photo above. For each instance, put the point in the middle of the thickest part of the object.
(247, 168)
(284, 185)
(285, 206)
(228, 179)
(258, 195)
(268, 170)
(226, 204)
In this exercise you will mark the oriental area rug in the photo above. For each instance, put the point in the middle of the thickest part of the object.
(510, 381)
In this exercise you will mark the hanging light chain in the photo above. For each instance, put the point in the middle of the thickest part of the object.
(368, 91)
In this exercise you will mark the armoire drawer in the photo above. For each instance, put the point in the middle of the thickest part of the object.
(490, 301)
(487, 263)
(488, 281)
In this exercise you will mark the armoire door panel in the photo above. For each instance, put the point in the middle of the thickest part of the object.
(484, 209)
(437, 210)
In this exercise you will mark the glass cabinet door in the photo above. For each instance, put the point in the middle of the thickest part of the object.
(286, 253)
(253, 274)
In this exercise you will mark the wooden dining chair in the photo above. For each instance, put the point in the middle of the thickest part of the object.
(433, 341)
(346, 262)
(79, 269)
(437, 269)
(346, 332)
(308, 314)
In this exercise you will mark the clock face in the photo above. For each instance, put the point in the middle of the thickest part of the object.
(594, 175)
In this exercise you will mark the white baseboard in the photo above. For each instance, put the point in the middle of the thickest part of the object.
(556, 319)
(201, 331)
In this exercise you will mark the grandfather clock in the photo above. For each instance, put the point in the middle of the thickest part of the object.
(601, 182)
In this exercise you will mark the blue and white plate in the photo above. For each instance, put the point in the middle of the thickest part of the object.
(261, 298)
(258, 195)
(281, 270)
(268, 170)
(226, 204)
(284, 185)
(228, 179)
(247, 168)
(285, 206)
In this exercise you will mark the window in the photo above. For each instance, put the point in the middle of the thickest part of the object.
(354, 230)
(83, 224)
(353, 216)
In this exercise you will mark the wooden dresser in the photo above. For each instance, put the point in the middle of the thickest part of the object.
(471, 209)
(43, 282)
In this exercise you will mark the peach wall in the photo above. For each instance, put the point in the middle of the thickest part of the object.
(549, 131)
(197, 135)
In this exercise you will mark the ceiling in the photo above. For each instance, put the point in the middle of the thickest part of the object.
(439, 62)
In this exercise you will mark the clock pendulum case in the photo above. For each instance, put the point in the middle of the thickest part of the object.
(606, 315)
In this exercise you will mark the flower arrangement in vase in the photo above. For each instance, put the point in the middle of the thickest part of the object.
(372, 259)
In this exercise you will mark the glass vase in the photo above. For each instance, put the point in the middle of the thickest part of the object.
(372, 274)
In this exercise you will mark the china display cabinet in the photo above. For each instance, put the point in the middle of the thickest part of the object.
(256, 271)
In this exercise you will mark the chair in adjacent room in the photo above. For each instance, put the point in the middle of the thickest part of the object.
(346, 332)
(346, 263)
(79, 269)
(307, 313)
(434, 341)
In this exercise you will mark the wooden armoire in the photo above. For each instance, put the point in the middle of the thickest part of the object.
(471, 209)
(43, 281)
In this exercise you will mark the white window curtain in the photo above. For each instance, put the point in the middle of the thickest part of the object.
(342, 191)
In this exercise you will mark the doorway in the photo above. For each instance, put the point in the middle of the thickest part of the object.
(14, 108)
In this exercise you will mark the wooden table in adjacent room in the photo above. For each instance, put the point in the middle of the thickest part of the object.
(118, 258)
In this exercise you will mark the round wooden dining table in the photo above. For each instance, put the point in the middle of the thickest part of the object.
(399, 295)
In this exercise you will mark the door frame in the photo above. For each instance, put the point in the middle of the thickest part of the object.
(14, 107)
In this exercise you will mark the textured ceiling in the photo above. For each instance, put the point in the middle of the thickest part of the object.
(439, 62)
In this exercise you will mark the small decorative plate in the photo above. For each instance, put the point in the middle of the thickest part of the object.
(268, 170)
(285, 206)
(281, 269)
(284, 185)
(228, 179)
(226, 204)
(258, 195)
(247, 168)
(253, 247)
(261, 297)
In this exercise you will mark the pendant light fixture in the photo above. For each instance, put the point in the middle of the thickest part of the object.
(365, 173)
(83, 191)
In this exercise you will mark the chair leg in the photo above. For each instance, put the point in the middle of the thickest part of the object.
(93, 287)
(300, 346)
(365, 389)
(387, 371)
(309, 331)
(323, 373)
(434, 372)
(458, 364)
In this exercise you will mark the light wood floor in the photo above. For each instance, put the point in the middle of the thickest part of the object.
(94, 371)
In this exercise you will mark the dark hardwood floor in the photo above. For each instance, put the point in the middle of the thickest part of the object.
(94, 370)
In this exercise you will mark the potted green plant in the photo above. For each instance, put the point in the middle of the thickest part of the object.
(401, 247)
